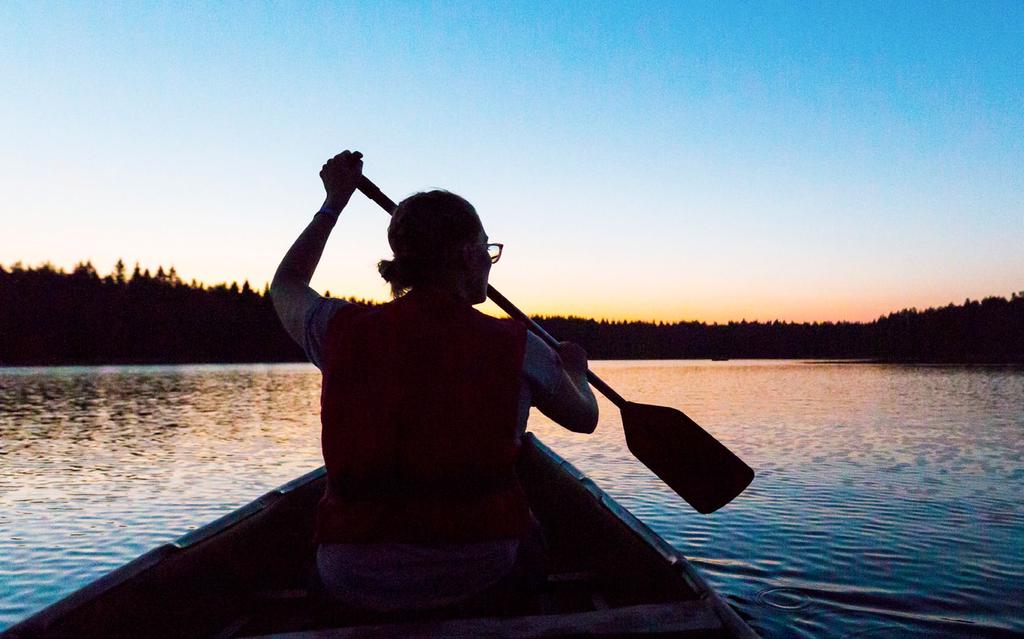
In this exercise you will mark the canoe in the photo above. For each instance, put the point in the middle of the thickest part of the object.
(249, 574)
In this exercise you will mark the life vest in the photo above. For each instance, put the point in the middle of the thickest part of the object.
(419, 414)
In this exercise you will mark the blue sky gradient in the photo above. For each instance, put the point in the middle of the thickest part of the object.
(713, 161)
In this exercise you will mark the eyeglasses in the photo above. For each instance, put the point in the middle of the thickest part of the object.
(494, 251)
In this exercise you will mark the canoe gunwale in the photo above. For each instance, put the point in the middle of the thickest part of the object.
(42, 620)
(242, 513)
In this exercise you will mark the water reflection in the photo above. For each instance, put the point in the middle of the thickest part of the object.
(886, 502)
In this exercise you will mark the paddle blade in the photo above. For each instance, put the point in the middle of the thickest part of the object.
(693, 463)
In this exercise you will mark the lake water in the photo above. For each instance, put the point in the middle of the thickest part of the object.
(887, 502)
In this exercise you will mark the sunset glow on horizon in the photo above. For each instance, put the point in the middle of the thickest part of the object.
(669, 162)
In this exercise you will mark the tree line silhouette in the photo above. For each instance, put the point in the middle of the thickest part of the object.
(49, 316)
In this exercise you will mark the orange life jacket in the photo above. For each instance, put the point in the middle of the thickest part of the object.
(419, 413)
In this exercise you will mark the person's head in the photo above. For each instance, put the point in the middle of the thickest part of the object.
(438, 242)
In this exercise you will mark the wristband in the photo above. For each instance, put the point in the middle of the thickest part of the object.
(329, 213)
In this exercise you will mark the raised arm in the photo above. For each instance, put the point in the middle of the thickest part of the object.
(290, 289)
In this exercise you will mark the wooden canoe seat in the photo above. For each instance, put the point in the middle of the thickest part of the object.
(677, 619)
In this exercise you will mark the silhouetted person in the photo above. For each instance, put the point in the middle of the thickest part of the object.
(423, 405)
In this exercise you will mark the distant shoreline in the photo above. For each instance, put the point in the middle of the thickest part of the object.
(51, 318)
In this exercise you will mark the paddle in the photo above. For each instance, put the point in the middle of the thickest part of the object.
(686, 457)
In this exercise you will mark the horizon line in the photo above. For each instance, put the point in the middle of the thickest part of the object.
(147, 271)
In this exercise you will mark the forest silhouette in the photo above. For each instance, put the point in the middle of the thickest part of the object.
(52, 317)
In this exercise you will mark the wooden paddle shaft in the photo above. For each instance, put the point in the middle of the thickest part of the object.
(370, 190)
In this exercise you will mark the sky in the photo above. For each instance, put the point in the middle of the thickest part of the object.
(802, 161)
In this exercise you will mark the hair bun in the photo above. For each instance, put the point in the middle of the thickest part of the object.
(389, 270)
